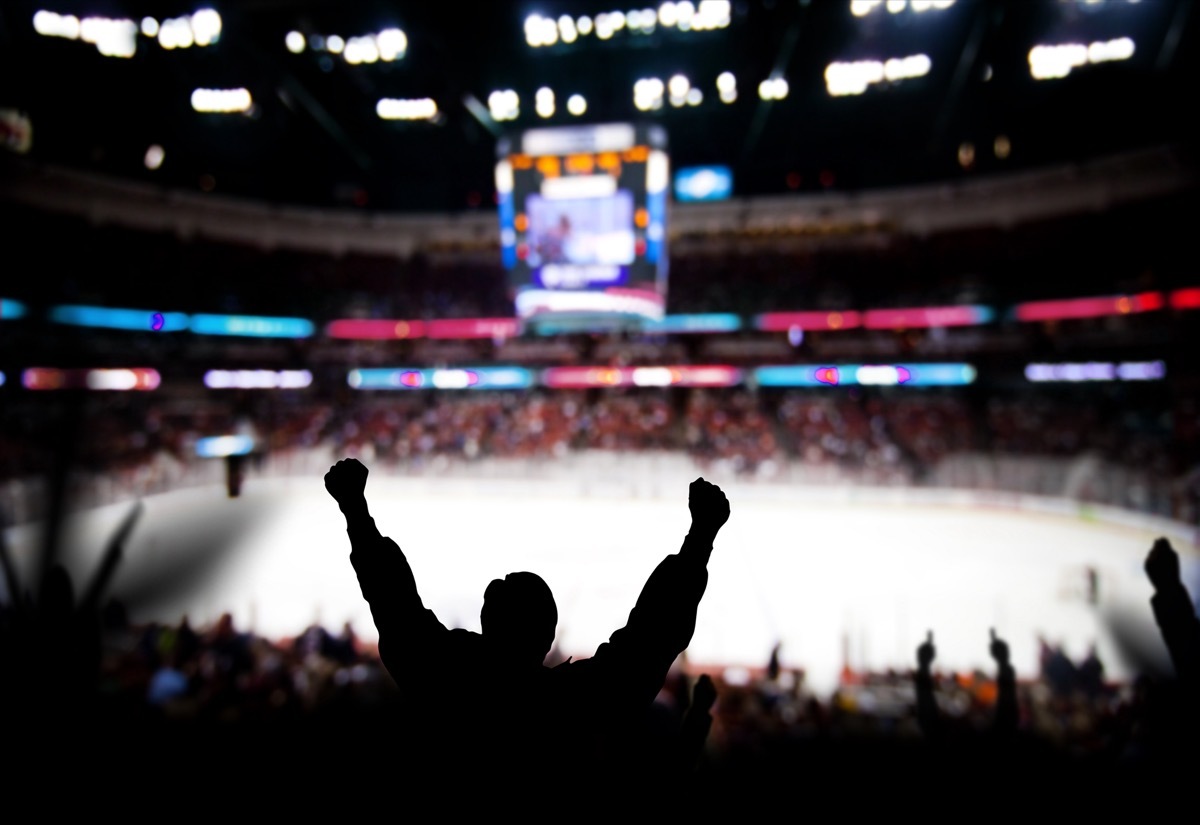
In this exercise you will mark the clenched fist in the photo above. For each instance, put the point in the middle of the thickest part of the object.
(926, 652)
(710, 508)
(346, 481)
(1162, 565)
(999, 649)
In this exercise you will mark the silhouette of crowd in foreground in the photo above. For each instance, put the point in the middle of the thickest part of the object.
(84, 687)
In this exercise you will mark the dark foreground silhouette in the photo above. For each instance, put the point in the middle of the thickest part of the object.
(485, 702)
(1175, 615)
(168, 710)
(1004, 724)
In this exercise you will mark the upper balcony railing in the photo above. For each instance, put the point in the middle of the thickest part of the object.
(999, 201)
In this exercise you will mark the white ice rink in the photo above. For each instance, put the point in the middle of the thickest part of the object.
(825, 579)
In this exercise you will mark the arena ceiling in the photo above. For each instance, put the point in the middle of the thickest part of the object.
(960, 97)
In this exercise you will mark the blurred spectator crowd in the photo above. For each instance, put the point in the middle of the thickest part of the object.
(1088, 254)
(930, 438)
(853, 428)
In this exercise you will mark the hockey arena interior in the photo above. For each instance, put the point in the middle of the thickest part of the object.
(913, 283)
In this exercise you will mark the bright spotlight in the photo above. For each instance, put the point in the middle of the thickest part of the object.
(727, 87)
(112, 38)
(295, 42)
(544, 102)
(576, 105)
(206, 26)
(368, 49)
(852, 78)
(391, 43)
(1102, 52)
(604, 26)
(504, 104)
(176, 33)
(685, 13)
(533, 30)
(648, 94)
(712, 14)
(1051, 62)
(334, 44)
(221, 100)
(861, 8)
(361, 50)
(773, 88)
(393, 109)
(900, 68)
(49, 24)
(678, 86)
(149, 27)
(566, 29)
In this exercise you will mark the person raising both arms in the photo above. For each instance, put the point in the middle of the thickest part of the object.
(485, 701)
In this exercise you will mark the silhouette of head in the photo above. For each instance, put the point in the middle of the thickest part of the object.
(519, 616)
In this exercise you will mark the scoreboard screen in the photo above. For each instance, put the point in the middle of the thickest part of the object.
(583, 224)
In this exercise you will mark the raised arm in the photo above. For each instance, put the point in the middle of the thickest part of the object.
(409, 634)
(660, 626)
(927, 710)
(1007, 712)
(1174, 612)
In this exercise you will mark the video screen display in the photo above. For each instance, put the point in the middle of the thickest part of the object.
(583, 224)
(580, 231)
